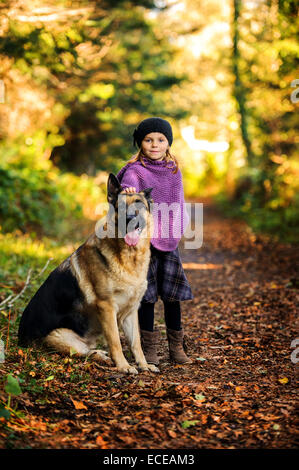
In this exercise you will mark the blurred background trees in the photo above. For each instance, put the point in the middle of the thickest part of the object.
(265, 64)
(78, 76)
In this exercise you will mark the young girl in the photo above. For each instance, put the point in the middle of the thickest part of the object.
(155, 167)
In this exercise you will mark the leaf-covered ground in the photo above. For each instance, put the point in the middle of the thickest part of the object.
(239, 392)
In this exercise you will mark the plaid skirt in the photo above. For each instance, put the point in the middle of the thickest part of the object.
(166, 277)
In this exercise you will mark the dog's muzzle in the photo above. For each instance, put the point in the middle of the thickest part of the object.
(135, 225)
(131, 221)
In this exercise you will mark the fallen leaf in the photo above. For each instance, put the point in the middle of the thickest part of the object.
(200, 397)
(79, 405)
(186, 424)
(160, 393)
(216, 418)
(284, 380)
(101, 442)
(127, 439)
(51, 377)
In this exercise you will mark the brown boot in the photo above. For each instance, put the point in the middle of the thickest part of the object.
(176, 349)
(149, 344)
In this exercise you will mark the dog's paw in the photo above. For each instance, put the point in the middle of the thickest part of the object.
(153, 368)
(100, 356)
(128, 369)
(149, 367)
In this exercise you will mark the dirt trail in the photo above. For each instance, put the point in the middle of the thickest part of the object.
(240, 391)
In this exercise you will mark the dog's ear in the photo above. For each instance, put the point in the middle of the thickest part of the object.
(147, 193)
(113, 188)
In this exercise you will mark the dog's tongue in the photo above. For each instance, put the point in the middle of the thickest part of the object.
(132, 238)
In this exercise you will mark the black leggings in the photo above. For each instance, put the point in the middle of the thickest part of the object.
(172, 314)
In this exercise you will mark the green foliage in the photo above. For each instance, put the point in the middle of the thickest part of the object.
(30, 200)
(12, 386)
(35, 196)
(106, 68)
(264, 59)
(264, 205)
(86, 80)
(187, 424)
(4, 413)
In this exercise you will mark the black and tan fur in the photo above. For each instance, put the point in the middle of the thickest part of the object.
(96, 290)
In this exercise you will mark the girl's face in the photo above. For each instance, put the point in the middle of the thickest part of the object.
(154, 146)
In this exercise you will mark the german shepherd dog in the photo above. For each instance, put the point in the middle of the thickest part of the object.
(98, 288)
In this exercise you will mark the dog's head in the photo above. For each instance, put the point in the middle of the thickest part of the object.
(130, 212)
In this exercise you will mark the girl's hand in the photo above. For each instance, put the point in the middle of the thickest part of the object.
(130, 190)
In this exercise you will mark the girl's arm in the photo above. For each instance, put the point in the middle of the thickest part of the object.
(130, 180)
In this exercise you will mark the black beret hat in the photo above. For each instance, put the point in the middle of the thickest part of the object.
(154, 124)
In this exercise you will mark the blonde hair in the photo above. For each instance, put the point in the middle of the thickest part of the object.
(168, 158)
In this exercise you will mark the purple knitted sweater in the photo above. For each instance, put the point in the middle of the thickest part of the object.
(170, 218)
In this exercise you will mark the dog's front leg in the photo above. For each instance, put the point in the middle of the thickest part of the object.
(131, 330)
(108, 320)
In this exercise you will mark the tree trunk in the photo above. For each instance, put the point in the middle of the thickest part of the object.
(239, 90)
